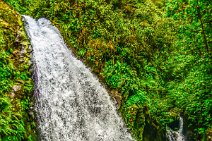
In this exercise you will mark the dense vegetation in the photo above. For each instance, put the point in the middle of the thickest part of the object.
(154, 56)
(15, 82)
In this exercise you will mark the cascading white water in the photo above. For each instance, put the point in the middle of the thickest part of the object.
(71, 104)
(176, 135)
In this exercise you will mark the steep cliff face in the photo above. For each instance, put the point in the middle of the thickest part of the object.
(15, 83)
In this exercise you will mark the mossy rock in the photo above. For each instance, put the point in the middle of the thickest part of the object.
(15, 97)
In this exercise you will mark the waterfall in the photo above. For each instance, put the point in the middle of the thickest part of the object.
(176, 135)
(71, 104)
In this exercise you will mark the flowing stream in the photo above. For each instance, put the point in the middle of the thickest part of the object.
(176, 135)
(71, 104)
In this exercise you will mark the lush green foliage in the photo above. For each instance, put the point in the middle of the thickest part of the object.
(15, 82)
(153, 55)
(194, 41)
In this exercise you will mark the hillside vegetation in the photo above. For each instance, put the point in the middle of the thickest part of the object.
(154, 57)
(15, 83)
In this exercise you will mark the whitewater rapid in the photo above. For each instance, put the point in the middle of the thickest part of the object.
(176, 135)
(71, 104)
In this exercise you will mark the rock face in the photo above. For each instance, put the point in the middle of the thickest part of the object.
(71, 104)
(151, 133)
(209, 135)
(15, 83)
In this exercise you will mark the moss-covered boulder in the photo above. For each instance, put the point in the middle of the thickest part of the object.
(16, 84)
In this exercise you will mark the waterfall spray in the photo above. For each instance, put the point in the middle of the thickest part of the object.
(71, 104)
(176, 135)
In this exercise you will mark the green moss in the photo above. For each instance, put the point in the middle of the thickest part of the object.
(15, 78)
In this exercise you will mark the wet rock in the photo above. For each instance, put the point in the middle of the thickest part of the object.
(209, 135)
(12, 95)
(117, 97)
(16, 88)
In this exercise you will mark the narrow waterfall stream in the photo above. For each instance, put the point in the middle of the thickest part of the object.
(176, 135)
(71, 104)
